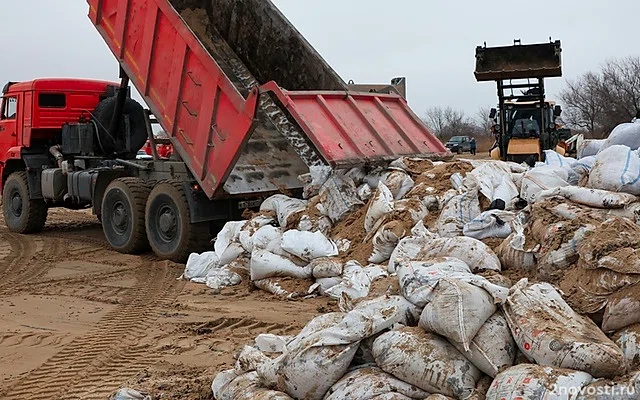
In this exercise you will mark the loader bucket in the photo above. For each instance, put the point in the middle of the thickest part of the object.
(518, 62)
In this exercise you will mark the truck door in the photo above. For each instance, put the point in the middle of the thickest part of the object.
(8, 125)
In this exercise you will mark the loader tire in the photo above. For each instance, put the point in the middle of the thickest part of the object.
(122, 215)
(137, 127)
(21, 213)
(171, 234)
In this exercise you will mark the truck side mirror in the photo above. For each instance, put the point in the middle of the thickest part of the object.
(557, 111)
(492, 113)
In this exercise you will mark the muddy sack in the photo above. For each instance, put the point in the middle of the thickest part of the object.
(232, 385)
(622, 309)
(385, 241)
(495, 181)
(308, 245)
(284, 207)
(622, 388)
(548, 331)
(418, 279)
(326, 267)
(338, 197)
(398, 182)
(493, 349)
(129, 394)
(457, 310)
(199, 265)
(368, 382)
(458, 211)
(427, 361)
(356, 281)
(380, 205)
(589, 197)
(628, 339)
(535, 382)
(471, 251)
(315, 360)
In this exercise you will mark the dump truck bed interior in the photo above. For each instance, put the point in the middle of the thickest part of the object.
(199, 65)
(519, 61)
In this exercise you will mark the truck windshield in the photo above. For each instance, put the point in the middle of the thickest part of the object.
(457, 139)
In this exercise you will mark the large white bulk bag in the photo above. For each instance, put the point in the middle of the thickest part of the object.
(535, 382)
(627, 134)
(617, 169)
(427, 361)
(493, 348)
(548, 331)
(589, 147)
(368, 382)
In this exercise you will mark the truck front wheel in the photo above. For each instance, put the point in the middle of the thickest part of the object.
(123, 215)
(171, 234)
(21, 213)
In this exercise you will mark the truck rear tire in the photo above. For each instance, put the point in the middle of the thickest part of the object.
(21, 213)
(171, 234)
(122, 214)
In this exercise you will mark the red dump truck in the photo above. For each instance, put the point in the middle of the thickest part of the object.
(247, 103)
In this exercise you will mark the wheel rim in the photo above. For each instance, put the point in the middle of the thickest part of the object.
(120, 218)
(167, 223)
(16, 204)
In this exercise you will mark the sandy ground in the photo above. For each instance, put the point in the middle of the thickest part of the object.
(79, 321)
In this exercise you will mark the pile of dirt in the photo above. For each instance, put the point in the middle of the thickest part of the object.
(175, 381)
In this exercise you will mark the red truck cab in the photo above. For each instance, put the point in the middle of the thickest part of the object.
(34, 112)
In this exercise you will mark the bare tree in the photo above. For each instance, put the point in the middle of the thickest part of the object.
(584, 106)
(599, 101)
(446, 122)
(482, 120)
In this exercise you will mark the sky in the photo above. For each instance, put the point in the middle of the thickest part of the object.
(432, 43)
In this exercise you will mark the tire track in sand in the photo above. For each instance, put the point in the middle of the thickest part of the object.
(96, 363)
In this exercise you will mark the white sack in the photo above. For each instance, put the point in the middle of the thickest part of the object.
(542, 178)
(473, 252)
(418, 279)
(265, 264)
(129, 394)
(385, 241)
(590, 197)
(457, 311)
(534, 382)
(284, 207)
(549, 332)
(308, 245)
(380, 204)
(199, 265)
(264, 236)
(226, 237)
(489, 224)
(220, 278)
(339, 197)
(554, 159)
(356, 281)
(398, 182)
(314, 179)
(589, 147)
(617, 169)
(326, 267)
(316, 361)
(626, 134)
(231, 385)
(246, 234)
(493, 348)
(427, 361)
(495, 181)
(457, 212)
(369, 382)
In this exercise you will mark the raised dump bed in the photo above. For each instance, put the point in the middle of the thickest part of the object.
(200, 65)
